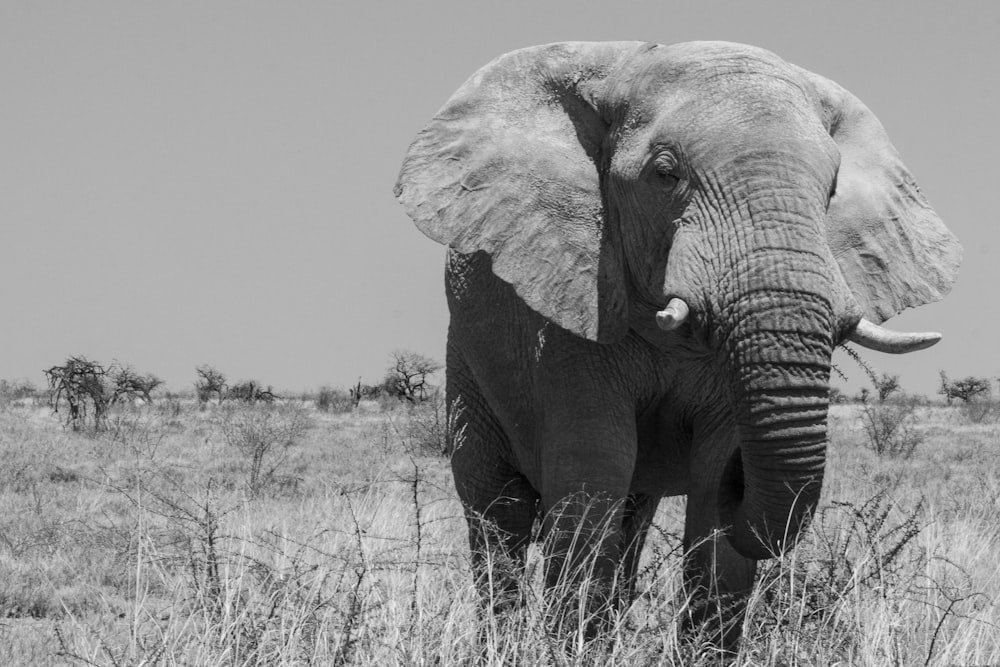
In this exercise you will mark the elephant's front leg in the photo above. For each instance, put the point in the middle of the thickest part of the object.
(500, 504)
(587, 462)
(718, 580)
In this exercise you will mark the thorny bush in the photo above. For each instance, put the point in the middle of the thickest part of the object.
(890, 427)
(264, 435)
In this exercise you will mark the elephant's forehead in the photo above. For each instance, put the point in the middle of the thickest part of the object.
(720, 57)
(713, 70)
(693, 88)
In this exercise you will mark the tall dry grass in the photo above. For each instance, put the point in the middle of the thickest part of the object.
(156, 543)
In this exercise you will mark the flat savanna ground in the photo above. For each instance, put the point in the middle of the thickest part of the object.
(288, 535)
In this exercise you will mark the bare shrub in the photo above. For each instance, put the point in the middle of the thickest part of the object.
(171, 407)
(867, 549)
(886, 386)
(425, 427)
(79, 384)
(979, 410)
(264, 437)
(334, 400)
(139, 431)
(14, 391)
(129, 384)
(429, 427)
(210, 381)
(859, 555)
(365, 391)
(251, 391)
(89, 390)
(890, 427)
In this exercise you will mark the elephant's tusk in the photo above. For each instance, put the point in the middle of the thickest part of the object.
(874, 337)
(673, 315)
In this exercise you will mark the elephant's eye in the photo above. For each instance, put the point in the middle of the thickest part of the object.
(667, 168)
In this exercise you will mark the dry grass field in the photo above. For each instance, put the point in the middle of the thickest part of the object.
(286, 535)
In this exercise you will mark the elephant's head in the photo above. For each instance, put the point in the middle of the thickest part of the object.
(713, 188)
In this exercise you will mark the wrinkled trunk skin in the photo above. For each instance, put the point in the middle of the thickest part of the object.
(781, 389)
(768, 310)
(756, 474)
(773, 327)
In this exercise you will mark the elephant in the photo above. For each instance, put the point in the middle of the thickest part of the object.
(652, 253)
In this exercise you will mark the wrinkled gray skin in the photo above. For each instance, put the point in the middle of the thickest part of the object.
(581, 187)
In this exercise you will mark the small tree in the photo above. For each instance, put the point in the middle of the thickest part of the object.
(81, 385)
(329, 399)
(408, 375)
(264, 437)
(127, 383)
(356, 394)
(886, 386)
(147, 384)
(367, 391)
(967, 389)
(88, 389)
(251, 391)
(210, 381)
(890, 428)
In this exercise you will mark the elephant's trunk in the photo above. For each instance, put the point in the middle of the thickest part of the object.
(780, 359)
(769, 309)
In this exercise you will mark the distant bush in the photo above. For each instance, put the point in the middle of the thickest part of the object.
(886, 386)
(16, 390)
(128, 383)
(88, 390)
(409, 376)
(211, 381)
(251, 391)
(79, 384)
(426, 429)
(980, 410)
(171, 408)
(890, 427)
(334, 400)
(264, 436)
(365, 391)
(967, 389)
(429, 427)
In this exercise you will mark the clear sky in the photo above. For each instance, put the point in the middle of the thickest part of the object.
(211, 182)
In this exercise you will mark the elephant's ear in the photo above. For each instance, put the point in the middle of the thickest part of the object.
(511, 165)
(892, 248)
